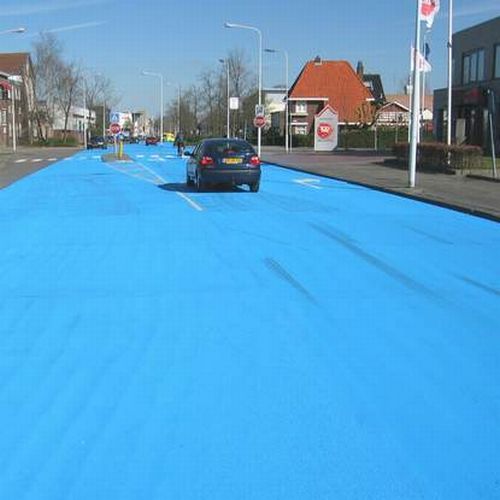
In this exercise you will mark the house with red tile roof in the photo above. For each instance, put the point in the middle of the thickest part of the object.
(23, 92)
(335, 83)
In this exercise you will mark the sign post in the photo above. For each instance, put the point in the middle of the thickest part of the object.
(326, 128)
(115, 129)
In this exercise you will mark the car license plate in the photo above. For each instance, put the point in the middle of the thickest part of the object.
(232, 161)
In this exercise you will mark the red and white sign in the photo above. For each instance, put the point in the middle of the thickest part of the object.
(428, 9)
(325, 130)
(115, 128)
(259, 121)
(326, 125)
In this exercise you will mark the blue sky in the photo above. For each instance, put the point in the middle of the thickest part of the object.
(180, 39)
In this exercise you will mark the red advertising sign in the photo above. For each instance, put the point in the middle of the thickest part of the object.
(325, 130)
(115, 128)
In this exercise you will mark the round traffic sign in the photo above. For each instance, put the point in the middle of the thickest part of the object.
(259, 121)
(325, 130)
(115, 128)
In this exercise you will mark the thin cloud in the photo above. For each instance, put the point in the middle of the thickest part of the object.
(71, 27)
(14, 9)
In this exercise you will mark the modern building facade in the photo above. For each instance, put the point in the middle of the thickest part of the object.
(475, 71)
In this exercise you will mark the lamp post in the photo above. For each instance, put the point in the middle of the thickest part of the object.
(84, 113)
(160, 76)
(14, 79)
(259, 33)
(450, 67)
(226, 64)
(285, 53)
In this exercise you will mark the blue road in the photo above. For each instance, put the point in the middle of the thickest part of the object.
(316, 340)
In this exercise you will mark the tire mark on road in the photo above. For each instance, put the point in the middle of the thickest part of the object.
(432, 237)
(284, 275)
(478, 284)
(386, 268)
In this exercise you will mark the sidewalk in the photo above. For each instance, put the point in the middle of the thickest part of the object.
(477, 196)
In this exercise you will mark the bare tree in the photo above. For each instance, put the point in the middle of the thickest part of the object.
(47, 62)
(67, 91)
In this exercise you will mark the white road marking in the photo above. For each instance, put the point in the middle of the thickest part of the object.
(308, 182)
(36, 160)
(184, 196)
(96, 157)
(22, 160)
(140, 156)
(193, 203)
(52, 159)
(68, 158)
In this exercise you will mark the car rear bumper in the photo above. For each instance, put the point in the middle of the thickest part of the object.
(233, 176)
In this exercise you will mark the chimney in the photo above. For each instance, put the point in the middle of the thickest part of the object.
(360, 70)
(317, 61)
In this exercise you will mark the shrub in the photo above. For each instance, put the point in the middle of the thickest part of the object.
(58, 142)
(435, 156)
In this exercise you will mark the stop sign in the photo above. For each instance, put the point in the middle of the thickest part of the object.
(259, 121)
(115, 128)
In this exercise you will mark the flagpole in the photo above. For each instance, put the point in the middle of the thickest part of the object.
(450, 76)
(415, 104)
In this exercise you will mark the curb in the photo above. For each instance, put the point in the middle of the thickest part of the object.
(457, 208)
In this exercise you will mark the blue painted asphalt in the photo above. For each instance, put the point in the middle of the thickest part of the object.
(316, 340)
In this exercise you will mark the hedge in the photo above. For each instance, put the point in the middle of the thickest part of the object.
(58, 142)
(349, 138)
(435, 156)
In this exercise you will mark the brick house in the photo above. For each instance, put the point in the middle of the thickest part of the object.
(396, 112)
(329, 82)
(16, 64)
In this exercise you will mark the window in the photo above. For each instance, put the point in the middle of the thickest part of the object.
(473, 67)
(497, 61)
(301, 107)
(301, 129)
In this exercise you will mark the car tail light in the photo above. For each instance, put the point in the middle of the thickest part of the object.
(255, 161)
(206, 161)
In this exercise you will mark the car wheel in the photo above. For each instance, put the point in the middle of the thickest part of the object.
(199, 182)
(254, 187)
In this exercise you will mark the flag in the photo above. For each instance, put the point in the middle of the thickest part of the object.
(422, 62)
(428, 9)
(427, 51)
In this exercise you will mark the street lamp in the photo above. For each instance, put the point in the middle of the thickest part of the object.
(14, 30)
(259, 33)
(285, 53)
(14, 79)
(160, 76)
(226, 64)
(178, 104)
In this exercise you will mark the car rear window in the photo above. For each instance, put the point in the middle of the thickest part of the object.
(228, 148)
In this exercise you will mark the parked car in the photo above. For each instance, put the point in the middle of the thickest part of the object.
(133, 140)
(97, 143)
(152, 140)
(223, 161)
